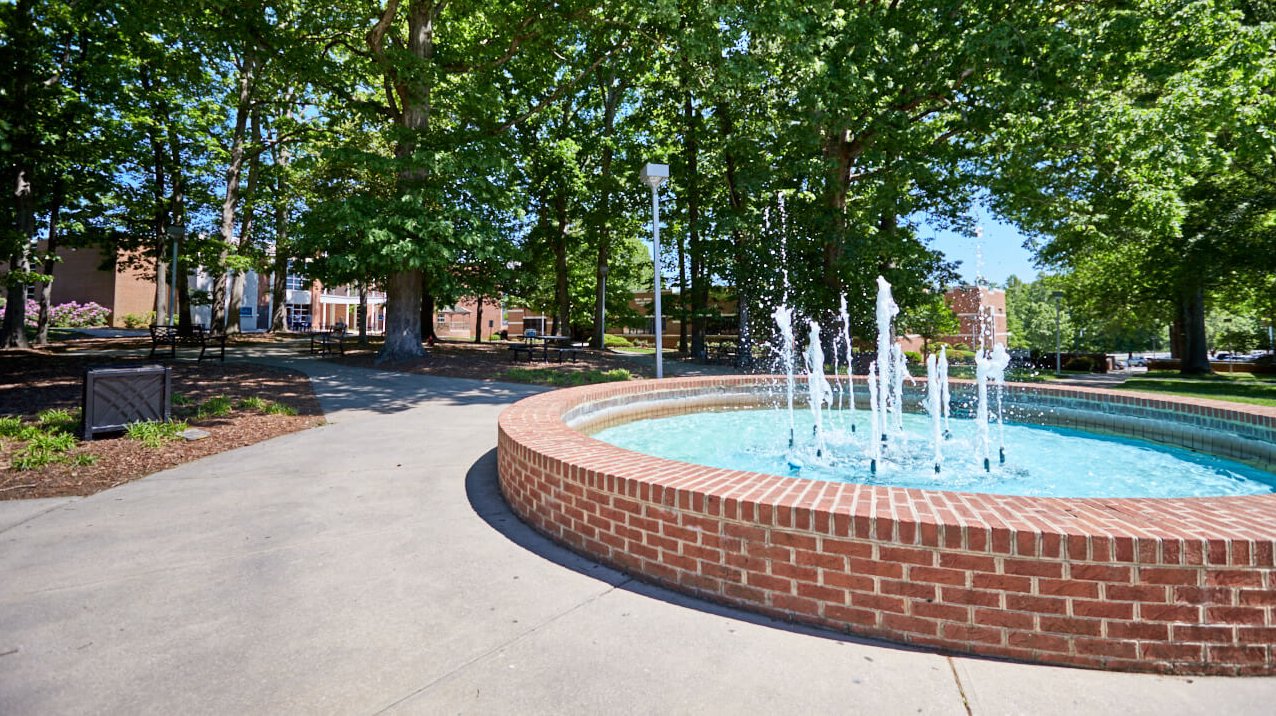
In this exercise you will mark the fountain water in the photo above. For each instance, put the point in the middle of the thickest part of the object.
(846, 343)
(784, 321)
(819, 393)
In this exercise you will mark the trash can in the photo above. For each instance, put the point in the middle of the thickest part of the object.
(115, 397)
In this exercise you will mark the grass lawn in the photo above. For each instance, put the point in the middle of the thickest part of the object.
(563, 379)
(1235, 387)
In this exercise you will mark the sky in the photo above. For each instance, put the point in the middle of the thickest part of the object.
(1002, 249)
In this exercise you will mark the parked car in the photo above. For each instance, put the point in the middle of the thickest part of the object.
(1137, 362)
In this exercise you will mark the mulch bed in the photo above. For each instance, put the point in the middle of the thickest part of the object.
(32, 381)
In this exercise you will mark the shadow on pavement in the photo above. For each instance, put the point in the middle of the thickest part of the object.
(482, 489)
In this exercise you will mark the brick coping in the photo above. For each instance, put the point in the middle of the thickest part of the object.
(1164, 584)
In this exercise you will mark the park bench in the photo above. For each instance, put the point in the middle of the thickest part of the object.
(518, 349)
(322, 342)
(199, 336)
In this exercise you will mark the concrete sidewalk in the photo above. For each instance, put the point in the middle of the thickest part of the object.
(370, 565)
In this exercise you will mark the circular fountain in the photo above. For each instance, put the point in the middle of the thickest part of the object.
(1179, 584)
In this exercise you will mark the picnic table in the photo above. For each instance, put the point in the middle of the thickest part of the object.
(534, 344)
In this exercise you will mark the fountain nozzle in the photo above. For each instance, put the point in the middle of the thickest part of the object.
(936, 468)
(872, 466)
(987, 466)
(1002, 453)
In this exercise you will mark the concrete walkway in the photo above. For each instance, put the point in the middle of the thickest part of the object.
(370, 565)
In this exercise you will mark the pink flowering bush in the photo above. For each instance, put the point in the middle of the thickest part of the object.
(69, 315)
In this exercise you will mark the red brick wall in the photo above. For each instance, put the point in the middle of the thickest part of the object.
(1174, 585)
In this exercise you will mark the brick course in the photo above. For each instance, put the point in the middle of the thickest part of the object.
(1166, 585)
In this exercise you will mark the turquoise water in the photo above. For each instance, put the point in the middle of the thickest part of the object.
(1040, 461)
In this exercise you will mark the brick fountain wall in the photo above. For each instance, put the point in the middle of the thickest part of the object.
(1166, 585)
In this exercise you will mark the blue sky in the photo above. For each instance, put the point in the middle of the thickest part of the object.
(1002, 249)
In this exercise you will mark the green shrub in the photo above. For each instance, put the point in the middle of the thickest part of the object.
(612, 340)
(280, 409)
(43, 449)
(58, 420)
(10, 427)
(153, 433)
(182, 401)
(138, 320)
(215, 407)
(84, 459)
(252, 403)
(914, 358)
(956, 355)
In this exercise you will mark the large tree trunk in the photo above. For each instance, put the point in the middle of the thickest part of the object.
(246, 228)
(14, 332)
(403, 337)
(234, 169)
(45, 293)
(403, 294)
(562, 296)
(478, 321)
(699, 275)
(740, 255)
(612, 92)
(1195, 359)
(279, 283)
(362, 313)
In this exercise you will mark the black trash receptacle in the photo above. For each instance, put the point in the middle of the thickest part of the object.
(115, 397)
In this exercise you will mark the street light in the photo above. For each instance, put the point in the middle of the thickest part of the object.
(1058, 339)
(175, 232)
(653, 175)
(602, 309)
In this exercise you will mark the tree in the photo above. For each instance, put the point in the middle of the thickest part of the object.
(930, 320)
(1154, 186)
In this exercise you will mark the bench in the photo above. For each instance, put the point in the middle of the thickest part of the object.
(322, 341)
(199, 336)
(518, 348)
(568, 352)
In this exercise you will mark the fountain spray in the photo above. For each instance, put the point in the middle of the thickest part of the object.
(819, 392)
(846, 344)
(886, 311)
(933, 398)
(784, 320)
(944, 399)
(874, 426)
(997, 372)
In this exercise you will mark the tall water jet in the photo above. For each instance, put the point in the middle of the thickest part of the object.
(783, 316)
(944, 398)
(933, 399)
(998, 362)
(846, 344)
(886, 311)
(899, 370)
(874, 421)
(983, 364)
(819, 393)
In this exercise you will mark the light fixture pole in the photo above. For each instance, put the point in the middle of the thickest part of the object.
(602, 328)
(653, 175)
(1058, 337)
(175, 232)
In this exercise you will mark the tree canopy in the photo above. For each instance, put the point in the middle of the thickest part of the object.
(448, 148)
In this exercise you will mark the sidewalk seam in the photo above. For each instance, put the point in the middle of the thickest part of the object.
(520, 637)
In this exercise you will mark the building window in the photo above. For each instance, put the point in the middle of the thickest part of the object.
(299, 316)
(295, 281)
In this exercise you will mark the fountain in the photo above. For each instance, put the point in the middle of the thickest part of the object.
(1118, 531)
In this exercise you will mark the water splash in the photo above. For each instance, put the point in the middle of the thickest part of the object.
(819, 393)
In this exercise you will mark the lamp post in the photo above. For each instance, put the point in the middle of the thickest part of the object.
(1058, 338)
(175, 232)
(602, 309)
(653, 175)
